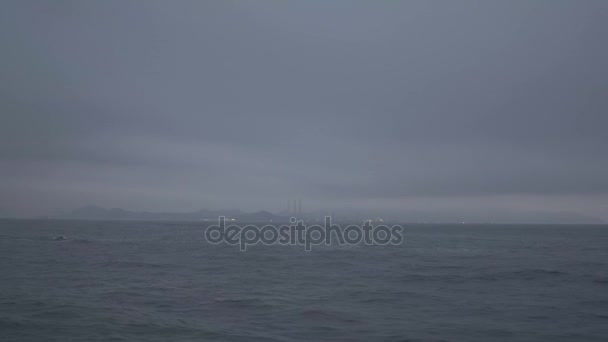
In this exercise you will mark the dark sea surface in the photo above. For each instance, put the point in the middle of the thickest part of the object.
(151, 281)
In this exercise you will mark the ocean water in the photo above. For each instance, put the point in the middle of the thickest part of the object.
(150, 281)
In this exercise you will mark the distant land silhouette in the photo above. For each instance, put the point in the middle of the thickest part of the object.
(92, 212)
(99, 213)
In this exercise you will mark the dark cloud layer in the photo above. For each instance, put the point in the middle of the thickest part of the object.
(187, 104)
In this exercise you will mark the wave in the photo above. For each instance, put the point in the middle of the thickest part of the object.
(239, 303)
(601, 280)
(134, 264)
(526, 274)
(530, 274)
(59, 238)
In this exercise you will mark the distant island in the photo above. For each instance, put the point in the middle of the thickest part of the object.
(92, 212)
(99, 213)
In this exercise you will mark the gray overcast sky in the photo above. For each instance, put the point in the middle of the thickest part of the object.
(182, 105)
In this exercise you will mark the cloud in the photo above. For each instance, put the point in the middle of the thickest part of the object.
(156, 105)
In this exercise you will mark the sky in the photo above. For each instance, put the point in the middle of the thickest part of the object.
(467, 106)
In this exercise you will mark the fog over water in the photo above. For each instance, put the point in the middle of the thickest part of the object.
(467, 107)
